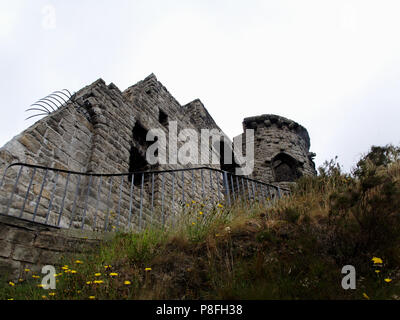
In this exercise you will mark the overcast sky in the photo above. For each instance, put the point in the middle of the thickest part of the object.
(332, 66)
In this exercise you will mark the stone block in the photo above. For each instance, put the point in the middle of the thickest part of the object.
(21, 236)
(26, 254)
(5, 249)
(50, 257)
(9, 269)
(50, 241)
(30, 143)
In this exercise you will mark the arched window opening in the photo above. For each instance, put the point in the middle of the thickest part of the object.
(285, 168)
(137, 156)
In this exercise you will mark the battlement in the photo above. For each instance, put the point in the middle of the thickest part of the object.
(276, 122)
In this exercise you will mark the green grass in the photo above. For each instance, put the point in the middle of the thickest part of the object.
(292, 249)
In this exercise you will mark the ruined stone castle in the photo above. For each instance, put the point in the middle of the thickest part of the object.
(102, 130)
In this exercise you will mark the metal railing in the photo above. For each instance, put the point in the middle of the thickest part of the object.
(123, 201)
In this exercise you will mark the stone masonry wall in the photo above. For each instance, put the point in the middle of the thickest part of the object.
(95, 133)
(279, 141)
(30, 245)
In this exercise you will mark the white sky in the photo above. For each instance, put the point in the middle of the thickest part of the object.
(332, 66)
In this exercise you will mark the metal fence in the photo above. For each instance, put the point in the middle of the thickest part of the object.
(124, 201)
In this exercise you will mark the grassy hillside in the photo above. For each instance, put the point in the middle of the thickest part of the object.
(294, 248)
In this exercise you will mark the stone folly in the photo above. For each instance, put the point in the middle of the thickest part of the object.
(104, 130)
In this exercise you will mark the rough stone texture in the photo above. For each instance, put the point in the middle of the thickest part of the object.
(103, 130)
(25, 244)
(281, 149)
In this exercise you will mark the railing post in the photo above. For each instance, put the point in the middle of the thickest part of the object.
(211, 188)
(108, 204)
(63, 200)
(75, 199)
(227, 188)
(162, 199)
(14, 189)
(202, 184)
(131, 200)
(152, 197)
(173, 199)
(141, 203)
(219, 189)
(52, 198)
(86, 201)
(119, 201)
(40, 194)
(27, 192)
(183, 188)
(233, 190)
(97, 202)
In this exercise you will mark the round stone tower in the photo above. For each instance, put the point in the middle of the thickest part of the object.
(281, 149)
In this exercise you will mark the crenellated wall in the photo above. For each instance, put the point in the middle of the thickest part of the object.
(281, 149)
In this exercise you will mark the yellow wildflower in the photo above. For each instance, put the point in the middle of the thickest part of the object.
(365, 296)
(27, 270)
(97, 274)
(12, 284)
(193, 223)
(107, 267)
(52, 294)
(11, 299)
(98, 281)
(220, 205)
(200, 213)
(388, 280)
(20, 280)
(89, 282)
(73, 271)
(377, 271)
(127, 282)
(92, 297)
(113, 274)
(44, 297)
(64, 268)
(147, 269)
(78, 262)
(35, 276)
(377, 260)
(40, 285)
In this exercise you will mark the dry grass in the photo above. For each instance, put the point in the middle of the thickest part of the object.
(292, 249)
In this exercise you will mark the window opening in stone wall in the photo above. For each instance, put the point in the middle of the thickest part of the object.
(137, 163)
(163, 118)
(139, 134)
(285, 168)
(137, 156)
